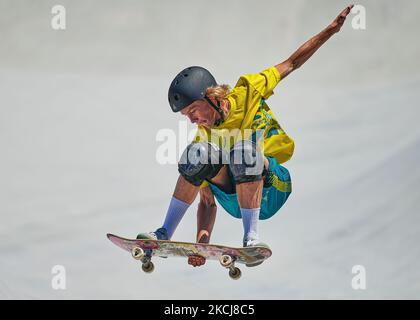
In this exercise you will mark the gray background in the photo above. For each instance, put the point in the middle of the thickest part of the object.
(79, 114)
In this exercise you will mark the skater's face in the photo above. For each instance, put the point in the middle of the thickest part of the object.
(200, 113)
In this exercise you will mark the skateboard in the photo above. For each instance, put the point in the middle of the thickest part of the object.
(144, 250)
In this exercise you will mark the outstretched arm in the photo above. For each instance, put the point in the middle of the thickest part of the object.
(301, 55)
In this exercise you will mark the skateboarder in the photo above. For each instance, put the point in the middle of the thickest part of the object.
(242, 172)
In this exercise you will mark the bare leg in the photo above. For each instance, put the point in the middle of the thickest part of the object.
(206, 214)
(249, 198)
(185, 191)
(222, 180)
(249, 193)
(184, 194)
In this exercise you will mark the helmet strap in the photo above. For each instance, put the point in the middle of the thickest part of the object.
(218, 110)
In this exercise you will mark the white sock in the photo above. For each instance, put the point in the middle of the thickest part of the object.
(250, 221)
(174, 215)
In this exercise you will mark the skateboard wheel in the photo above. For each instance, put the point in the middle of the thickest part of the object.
(148, 267)
(226, 260)
(137, 253)
(235, 273)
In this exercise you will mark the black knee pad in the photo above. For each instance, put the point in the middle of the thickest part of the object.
(246, 162)
(201, 161)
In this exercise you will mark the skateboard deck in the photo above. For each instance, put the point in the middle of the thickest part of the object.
(144, 250)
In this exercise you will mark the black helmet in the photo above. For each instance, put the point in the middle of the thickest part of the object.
(189, 85)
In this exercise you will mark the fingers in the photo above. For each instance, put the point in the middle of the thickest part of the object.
(338, 22)
(346, 11)
(343, 15)
(341, 19)
(196, 261)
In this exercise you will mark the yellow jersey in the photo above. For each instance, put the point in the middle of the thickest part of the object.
(250, 113)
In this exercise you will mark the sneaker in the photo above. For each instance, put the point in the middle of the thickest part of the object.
(254, 243)
(159, 234)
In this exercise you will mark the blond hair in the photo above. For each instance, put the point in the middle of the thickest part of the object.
(218, 92)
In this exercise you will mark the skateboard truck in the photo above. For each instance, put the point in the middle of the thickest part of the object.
(228, 261)
(146, 259)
